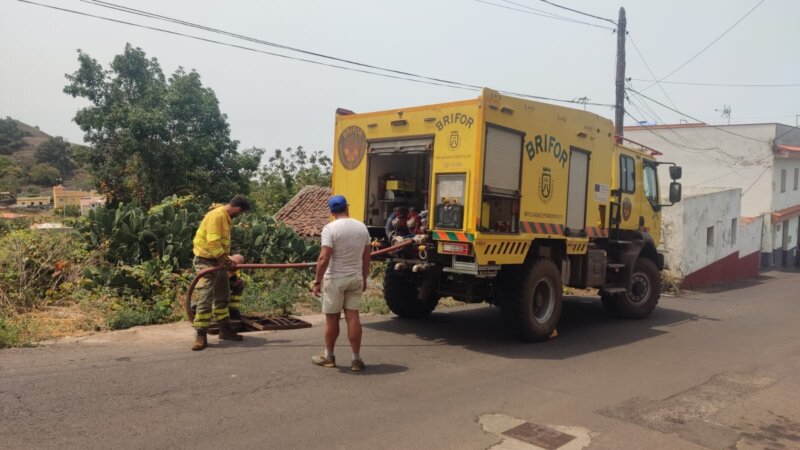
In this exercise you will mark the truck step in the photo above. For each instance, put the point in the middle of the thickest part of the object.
(615, 265)
(614, 290)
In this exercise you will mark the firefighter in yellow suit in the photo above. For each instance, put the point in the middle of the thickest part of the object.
(212, 248)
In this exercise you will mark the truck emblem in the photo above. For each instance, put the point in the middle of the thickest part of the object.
(454, 140)
(352, 147)
(546, 185)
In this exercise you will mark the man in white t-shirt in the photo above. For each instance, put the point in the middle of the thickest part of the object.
(342, 270)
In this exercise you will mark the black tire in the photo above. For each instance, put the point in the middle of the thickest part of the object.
(401, 291)
(641, 297)
(531, 301)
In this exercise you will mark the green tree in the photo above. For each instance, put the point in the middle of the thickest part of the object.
(153, 137)
(288, 171)
(56, 152)
(9, 175)
(43, 174)
(8, 168)
(10, 136)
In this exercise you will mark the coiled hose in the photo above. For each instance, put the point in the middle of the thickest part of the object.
(305, 265)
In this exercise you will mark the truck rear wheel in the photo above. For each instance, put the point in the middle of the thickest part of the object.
(401, 291)
(641, 295)
(531, 301)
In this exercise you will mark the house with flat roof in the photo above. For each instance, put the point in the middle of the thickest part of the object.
(37, 200)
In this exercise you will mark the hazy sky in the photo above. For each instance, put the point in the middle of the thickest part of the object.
(276, 103)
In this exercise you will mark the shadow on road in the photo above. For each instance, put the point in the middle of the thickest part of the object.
(585, 328)
(734, 285)
(375, 369)
(249, 341)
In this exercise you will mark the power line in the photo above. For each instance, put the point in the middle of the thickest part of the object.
(672, 102)
(147, 14)
(694, 118)
(647, 66)
(418, 79)
(241, 47)
(709, 45)
(529, 10)
(579, 12)
(703, 153)
(791, 129)
(766, 169)
(787, 132)
(687, 83)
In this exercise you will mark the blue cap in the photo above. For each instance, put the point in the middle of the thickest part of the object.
(337, 203)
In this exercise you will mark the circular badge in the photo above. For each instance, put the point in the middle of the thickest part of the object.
(626, 209)
(352, 147)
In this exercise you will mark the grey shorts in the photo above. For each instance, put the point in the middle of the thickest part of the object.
(342, 293)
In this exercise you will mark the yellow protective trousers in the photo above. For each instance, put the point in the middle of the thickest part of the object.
(213, 294)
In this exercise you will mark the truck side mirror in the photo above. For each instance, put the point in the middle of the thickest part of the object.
(675, 172)
(674, 191)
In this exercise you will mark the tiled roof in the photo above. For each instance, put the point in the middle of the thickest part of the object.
(786, 214)
(307, 212)
(748, 219)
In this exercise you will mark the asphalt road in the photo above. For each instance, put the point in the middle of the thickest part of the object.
(710, 370)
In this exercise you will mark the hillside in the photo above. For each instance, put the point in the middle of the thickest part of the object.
(25, 157)
(35, 138)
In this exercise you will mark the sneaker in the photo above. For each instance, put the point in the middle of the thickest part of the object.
(357, 365)
(321, 360)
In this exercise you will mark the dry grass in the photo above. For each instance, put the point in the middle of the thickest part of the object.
(670, 283)
(54, 323)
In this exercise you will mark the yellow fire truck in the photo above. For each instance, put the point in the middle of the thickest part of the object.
(507, 200)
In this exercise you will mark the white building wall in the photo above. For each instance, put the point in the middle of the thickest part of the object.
(749, 238)
(719, 159)
(777, 242)
(672, 237)
(737, 156)
(686, 229)
(791, 196)
(791, 226)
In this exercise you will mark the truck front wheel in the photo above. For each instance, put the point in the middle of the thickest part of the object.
(531, 302)
(401, 291)
(641, 295)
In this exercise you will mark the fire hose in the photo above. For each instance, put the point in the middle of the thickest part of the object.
(304, 265)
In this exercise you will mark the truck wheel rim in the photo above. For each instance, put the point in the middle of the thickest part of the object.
(544, 299)
(639, 291)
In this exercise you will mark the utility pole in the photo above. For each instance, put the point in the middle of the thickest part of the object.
(619, 117)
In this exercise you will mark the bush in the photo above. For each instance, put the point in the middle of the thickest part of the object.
(130, 316)
(38, 268)
(43, 174)
(9, 225)
(14, 333)
(274, 293)
(68, 211)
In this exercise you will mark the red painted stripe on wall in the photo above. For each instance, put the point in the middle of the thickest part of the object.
(728, 269)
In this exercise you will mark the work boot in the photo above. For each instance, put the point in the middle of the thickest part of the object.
(201, 341)
(226, 332)
(235, 314)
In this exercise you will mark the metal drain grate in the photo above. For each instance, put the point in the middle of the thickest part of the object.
(274, 323)
(250, 323)
(539, 435)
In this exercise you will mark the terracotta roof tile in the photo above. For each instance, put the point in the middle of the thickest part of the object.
(307, 212)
